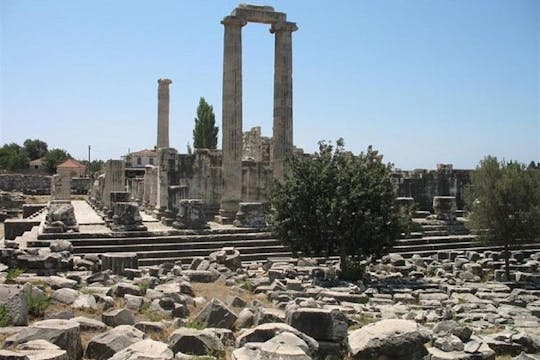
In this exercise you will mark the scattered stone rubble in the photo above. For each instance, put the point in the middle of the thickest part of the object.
(419, 308)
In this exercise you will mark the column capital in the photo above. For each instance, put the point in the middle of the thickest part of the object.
(164, 81)
(233, 21)
(283, 26)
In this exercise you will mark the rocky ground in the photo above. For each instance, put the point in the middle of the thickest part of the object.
(439, 307)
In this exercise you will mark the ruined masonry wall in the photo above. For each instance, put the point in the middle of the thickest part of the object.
(39, 184)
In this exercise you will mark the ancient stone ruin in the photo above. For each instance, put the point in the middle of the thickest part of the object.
(143, 271)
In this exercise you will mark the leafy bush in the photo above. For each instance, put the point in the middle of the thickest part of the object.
(336, 203)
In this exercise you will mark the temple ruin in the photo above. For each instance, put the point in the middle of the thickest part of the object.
(247, 164)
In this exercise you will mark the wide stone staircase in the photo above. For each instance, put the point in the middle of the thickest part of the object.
(153, 249)
(433, 237)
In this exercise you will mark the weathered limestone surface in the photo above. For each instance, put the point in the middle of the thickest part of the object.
(166, 177)
(258, 14)
(251, 215)
(163, 113)
(126, 217)
(283, 112)
(445, 207)
(61, 187)
(118, 262)
(113, 181)
(150, 187)
(423, 184)
(60, 217)
(232, 117)
(190, 215)
(255, 146)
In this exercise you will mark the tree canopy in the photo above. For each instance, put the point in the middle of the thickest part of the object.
(336, 203)
(504, 203)
(13, 157)
(55, 157)
(35, 149)
(205, 132)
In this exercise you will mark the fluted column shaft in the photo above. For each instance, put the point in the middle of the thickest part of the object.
(283, 112)
(232, 116)
(163, 113)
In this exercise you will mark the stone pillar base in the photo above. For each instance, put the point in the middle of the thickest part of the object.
(250, 215)
(227, 212)
(225, 218)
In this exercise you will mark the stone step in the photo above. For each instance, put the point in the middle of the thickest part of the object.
(435, 246)
(246, 258)
(407, 253)
(179, 253)
(435, 240)
(106, 241)
(173, 246)
(143, 234)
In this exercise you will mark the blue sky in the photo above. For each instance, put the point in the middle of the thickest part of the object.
(422, 81)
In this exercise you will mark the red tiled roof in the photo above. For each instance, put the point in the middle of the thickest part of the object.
(71, 163)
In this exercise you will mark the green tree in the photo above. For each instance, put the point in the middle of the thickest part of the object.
(93, 166)
(205, 132)
(504, 204)
(35, 149)
(55, 157)
(336, 203)
(13, 157)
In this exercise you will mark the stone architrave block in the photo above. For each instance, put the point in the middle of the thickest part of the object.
(126, 217)
(250, 215)
(190, 215)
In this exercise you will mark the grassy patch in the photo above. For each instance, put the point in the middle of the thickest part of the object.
(153, 315)
(362, 320)
(195, 324)
(247, 285)
(14, 273)
(37, 304)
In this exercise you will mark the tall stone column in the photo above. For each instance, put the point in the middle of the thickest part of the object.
(283, 112)
(232, 118)
(166, 163)
(163, 113)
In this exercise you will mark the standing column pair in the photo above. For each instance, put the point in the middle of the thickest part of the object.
(232, 109)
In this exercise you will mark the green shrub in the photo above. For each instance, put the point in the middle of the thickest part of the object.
(4, 317)
(37, 303)
(247, 285)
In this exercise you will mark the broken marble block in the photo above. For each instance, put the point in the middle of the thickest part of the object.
(250, 215)
(126, 217)
(60, 217)
(444, 207)
(190, 215)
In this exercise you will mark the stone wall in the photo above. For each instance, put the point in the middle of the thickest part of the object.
(423, 185)
(199, 176)
(39, 184)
